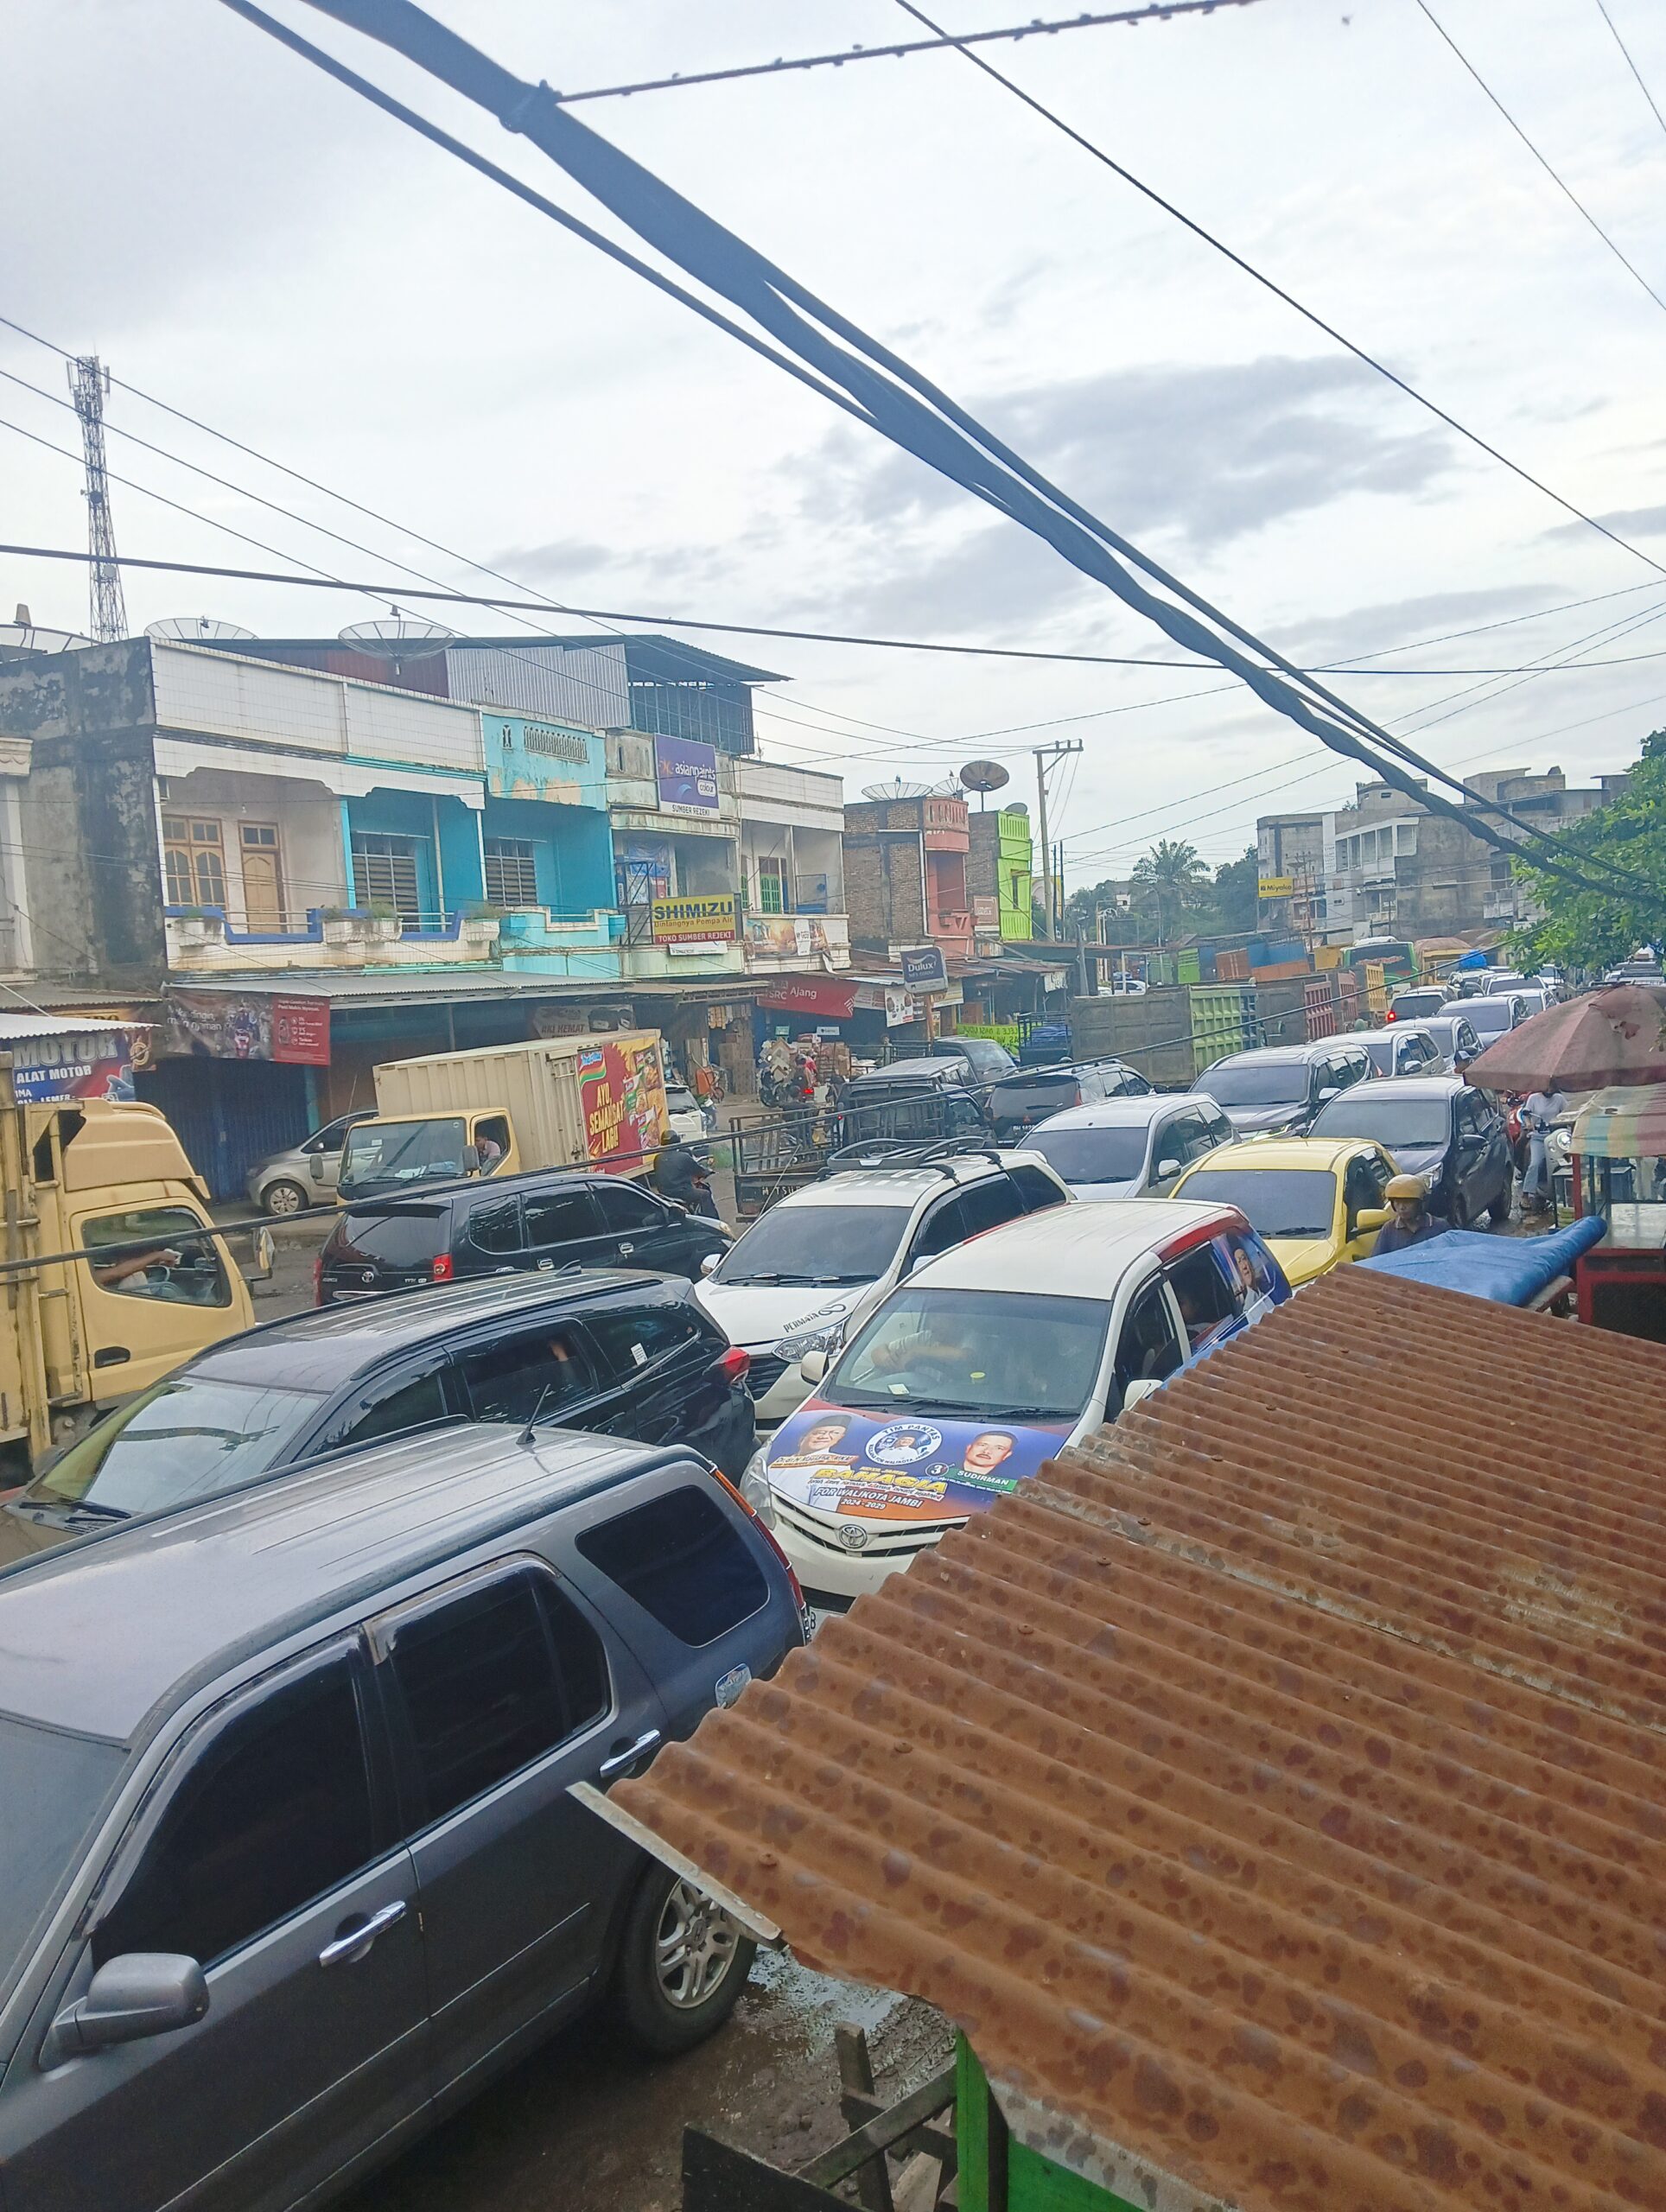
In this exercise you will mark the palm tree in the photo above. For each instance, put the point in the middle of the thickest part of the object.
(1170, 875)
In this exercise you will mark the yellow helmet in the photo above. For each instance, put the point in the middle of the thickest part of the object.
(1406, 1186)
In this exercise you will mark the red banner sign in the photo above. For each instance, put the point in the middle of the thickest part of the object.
(300, 1030)
(809, 994)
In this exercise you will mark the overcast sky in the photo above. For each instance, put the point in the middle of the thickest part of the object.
(247, 241)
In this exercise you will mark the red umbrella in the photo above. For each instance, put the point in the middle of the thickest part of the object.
(1610, 1037)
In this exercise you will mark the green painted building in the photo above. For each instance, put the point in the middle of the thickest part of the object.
(999, 871)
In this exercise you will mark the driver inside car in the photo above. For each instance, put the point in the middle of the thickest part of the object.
(129, 1274)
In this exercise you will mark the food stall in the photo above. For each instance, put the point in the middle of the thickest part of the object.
(1618, 1159)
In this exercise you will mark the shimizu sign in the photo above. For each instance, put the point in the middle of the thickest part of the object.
(706, 918)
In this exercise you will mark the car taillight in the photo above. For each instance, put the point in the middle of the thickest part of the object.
(735, 1366)
(318, 1280)
(766, 1533)
(442, 1270)
(1390, 1015)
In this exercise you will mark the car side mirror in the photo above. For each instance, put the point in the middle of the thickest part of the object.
(813, 1366)
(710, 1262)
(262, 1254)
(315, 1167)
(1167, 1168)
(140, 1993)
(1330, 1090)
(1372, 1218)
(1134, 1393)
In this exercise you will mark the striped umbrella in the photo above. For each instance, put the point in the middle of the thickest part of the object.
(1625, 1124)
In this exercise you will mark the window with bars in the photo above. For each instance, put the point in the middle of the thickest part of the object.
(385, 874)
(193, 857)
(512, 877)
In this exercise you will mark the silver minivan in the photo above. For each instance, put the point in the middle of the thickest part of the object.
(305, 1174)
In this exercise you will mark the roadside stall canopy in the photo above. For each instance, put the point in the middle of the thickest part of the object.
(1509, 1270)
(1271, 1797)
(1622, 1124)
(1612, 1037)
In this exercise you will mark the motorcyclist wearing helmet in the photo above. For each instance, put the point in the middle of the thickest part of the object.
(1413, 1224)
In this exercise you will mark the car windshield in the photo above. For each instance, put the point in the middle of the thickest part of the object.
(53, 1788)
(817, 1244)
(678, 1101)
(1276, 1201)
(186, 1439)
(1371, 1110)
(1281, 1082)
(1114, 1156)
(1486, 1015)
(1416, 1002)
(980, 1353)
(379, 1154)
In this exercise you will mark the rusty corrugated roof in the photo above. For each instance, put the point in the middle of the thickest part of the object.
(1272, 1789)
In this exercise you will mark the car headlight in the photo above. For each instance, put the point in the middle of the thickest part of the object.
(793, 1348)
(754, 1487)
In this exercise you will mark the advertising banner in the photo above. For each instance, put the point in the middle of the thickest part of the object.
(924, 968)
(221, 1025)
(301, 1032)
(94, 1064)
(1274, 887)
(623, 1089)
(807, 995)
(705, 918)
(685, 775)
(899, 1007)
(792, 937)
(829, 1460)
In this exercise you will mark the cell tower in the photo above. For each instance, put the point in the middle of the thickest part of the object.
(89, 380)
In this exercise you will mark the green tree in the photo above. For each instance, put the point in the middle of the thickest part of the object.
(1170, 878)
(1593, 929)
(1232, 904)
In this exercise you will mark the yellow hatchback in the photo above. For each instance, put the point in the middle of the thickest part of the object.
(1316, 1200)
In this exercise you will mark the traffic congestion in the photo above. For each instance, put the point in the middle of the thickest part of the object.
(310, 1617)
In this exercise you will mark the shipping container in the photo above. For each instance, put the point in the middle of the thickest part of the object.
(1188, 966)
(1232, 965)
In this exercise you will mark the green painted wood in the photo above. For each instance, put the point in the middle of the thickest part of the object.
(1034, 2184)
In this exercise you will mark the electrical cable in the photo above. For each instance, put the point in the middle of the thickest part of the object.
(1544, 163)
(1270, 284)
(1630, 64)
(1159, 11)
(894, 398)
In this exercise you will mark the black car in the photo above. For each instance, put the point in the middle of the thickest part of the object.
(987, 1057)
(296, 1789)
(1438, 1127)
(631, 1354)
(553, 1220)
(1037, 1094)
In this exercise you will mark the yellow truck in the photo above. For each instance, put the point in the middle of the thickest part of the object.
(568, 1102)
(110, 1180)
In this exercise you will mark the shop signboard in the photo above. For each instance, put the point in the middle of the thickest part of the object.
(701, 919)
(924, 967)
(228, 1026)
(809, 995)
(1274, 887)
(73, 1063)
(899, 1007)
(301, 1032)
(685, 775)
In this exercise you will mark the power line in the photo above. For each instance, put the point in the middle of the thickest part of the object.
(1158, 12)
(1270, 284)
(889, 395)
(1543, 160)
(1630, 64)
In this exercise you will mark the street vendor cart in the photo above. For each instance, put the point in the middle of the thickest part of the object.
(1618, 1157)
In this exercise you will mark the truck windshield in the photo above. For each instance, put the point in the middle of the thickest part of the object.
(188, 1438)
(388, 1155)
(53, 1788)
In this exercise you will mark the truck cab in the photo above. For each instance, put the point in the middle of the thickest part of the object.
(403, 1152)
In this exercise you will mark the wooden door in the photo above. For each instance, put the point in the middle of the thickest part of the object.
(263, 882)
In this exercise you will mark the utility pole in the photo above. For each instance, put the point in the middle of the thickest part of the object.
(89, 380)
(1047, 757)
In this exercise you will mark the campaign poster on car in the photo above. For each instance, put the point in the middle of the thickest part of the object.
(910, 1468)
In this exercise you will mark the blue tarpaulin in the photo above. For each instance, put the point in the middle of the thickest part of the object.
(1509, 1270)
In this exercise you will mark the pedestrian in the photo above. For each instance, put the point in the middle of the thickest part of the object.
(1413, 1224)
(1540, 1109)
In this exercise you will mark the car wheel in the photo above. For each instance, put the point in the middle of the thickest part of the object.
(284, 1199)
(1499, 1211)
(683, 1964)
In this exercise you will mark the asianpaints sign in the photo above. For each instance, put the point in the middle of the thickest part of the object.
(685, 775)
(832, 1461)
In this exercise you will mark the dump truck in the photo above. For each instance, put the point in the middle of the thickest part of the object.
(568, 1102)
(110, 1281)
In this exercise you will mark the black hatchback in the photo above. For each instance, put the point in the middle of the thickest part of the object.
(539, 1221)
(629, 1355)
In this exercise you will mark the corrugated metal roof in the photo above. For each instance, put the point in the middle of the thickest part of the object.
(1272, 1790)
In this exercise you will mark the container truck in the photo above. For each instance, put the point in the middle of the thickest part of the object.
(109, 1182)
(567, 1101)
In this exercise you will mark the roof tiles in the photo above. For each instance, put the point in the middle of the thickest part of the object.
(1272, 1789)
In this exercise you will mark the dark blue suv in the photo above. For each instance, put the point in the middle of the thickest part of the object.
(293, 1862)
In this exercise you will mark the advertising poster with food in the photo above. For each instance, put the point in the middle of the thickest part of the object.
(623, 1088)
(834, 1461)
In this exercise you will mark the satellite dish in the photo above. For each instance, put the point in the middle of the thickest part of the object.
(984, 776)
(192, 629)
(30, 638)
(401, 638)
(898, 787)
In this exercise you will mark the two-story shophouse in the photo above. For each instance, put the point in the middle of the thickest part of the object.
(281, 873)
